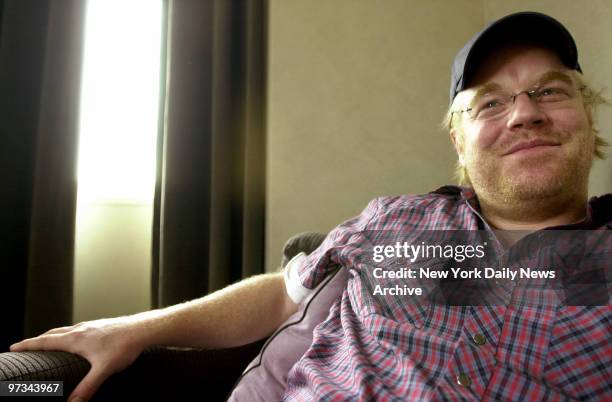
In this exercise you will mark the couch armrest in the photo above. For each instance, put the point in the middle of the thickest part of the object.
(41, 366)
(159, 373)
(305, 242)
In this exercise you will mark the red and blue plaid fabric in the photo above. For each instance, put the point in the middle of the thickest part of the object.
(497, 352)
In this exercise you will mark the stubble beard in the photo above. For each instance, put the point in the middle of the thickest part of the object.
(567, 176)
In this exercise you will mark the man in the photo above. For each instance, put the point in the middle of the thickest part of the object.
(521, 120)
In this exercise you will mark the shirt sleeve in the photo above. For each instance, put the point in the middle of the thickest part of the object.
(296, 291)
(340, 248)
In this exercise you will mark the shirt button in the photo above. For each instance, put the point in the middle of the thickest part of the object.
(479, 339)
(464, 380)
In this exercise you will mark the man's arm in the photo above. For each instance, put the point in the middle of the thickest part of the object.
(239, 314)
(236, 315)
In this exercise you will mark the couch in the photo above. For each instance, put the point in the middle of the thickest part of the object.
(160, 373)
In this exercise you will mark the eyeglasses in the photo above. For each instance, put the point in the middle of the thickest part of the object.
(496, 104)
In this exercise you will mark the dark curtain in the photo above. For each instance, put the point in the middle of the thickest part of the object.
(40, 62)
(208, 225)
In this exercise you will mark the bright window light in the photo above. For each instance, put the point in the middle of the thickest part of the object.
(120, 101)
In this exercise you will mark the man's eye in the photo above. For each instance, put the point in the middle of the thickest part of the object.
(552, 94)
(491, 104)
(549, 91)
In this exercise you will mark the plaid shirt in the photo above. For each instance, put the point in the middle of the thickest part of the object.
(395, 351)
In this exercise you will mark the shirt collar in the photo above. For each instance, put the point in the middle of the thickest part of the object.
(598, 211)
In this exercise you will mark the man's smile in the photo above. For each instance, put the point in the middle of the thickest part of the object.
(531, 146)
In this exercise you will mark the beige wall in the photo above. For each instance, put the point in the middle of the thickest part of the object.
(356, 90)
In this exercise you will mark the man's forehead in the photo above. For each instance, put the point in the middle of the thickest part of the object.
(563, 76)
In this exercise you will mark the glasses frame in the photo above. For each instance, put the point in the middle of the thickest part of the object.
(531, 94)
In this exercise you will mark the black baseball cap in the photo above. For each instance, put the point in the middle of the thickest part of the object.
(523, 27)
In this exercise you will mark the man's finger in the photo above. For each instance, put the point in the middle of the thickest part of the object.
(21, 345)
(42, 342)
(89, 384)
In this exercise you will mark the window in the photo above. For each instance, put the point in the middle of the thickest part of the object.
(120, 97)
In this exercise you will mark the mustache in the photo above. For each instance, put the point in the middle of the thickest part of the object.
(528, 138)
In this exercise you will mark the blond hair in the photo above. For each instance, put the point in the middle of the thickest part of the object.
(591, 101)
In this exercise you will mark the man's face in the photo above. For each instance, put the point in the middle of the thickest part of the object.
(534, 150)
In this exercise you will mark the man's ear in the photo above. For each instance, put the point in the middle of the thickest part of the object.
(457, 139)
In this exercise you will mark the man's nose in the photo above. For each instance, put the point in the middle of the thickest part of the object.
(525, 113)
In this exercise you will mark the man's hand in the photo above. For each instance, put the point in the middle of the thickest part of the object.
(108, 344)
